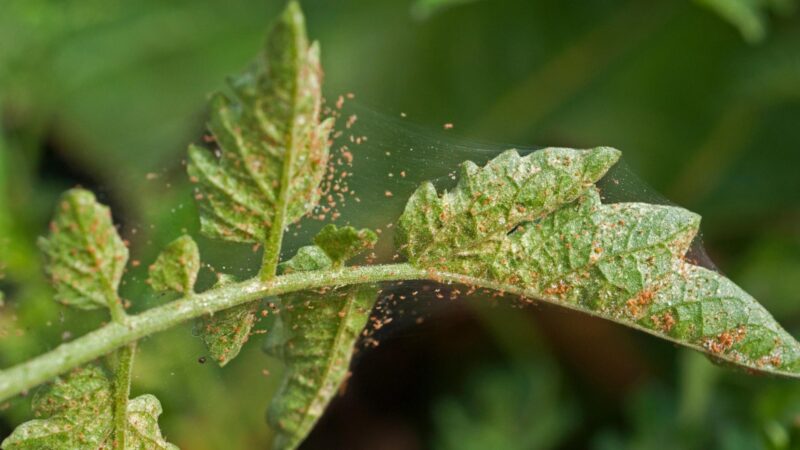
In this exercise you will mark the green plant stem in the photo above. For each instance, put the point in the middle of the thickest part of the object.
(122, 391)
(122, 372)
(115, 307)
(113, 335)
(104, 340)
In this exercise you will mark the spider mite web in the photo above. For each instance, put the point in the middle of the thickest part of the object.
(377, 161)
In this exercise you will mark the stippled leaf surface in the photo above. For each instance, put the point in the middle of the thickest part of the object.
(341, 244)
(315, 335)
(226, 332)
(622, 262)
(270, 142)
(143, 431)
(320, 331)
(309, 257)
(490, 201)
(176, 267)
(84, 255)
(77, 413)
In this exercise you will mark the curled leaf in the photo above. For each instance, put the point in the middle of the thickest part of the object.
(176, 267)
(490, 201)
(316, 345)
(143, 431)
(314, 336)
(539, 229)
(84, 255)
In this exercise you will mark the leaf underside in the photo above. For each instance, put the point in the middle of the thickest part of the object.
(176, 267)
(270, 116)
(226, 332)
(315, 335)
(77, 413)
(319, 334)
(272, 152)
(84, 255)
(536, 226)
(343, 243)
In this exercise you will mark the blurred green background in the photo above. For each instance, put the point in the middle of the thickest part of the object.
(703, 98)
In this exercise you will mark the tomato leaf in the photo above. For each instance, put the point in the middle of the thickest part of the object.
(226, 332)
(77, 412)
(84, 255)
(536, 226)
(341, 244)
(176, 267)
(315, 334)
(320, 332)
(271, 143)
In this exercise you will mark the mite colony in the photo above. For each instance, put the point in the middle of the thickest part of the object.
(402, 301)
(394, 301)
(334, 189)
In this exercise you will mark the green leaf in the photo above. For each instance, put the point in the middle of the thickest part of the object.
(622, 262)
(315, 334)
(272, 154)
(749, 16)
(226, 332)
(77, 412)
(272, 147)
(309, 257)
(591, 254)
(143, 431)
(84, 255)
(319, 333)
(176, 267)
(698, 306)
(341, 244)
(489, 202)
(334, 246)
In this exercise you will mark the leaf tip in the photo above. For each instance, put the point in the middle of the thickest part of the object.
(293, 18)
(176, 267)
(600, 159)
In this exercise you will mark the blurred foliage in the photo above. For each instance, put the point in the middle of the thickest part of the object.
(106, 94)
(519, 407)
(708, 409)
(424, 9)
(750, 16)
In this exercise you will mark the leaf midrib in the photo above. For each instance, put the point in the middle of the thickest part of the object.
(272, 245)
(330, 362)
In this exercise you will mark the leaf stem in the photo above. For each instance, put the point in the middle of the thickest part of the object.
(122, 372)
(113, 335)
(115, 308)
(272, 247)
(104, 340)
(122, 391)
